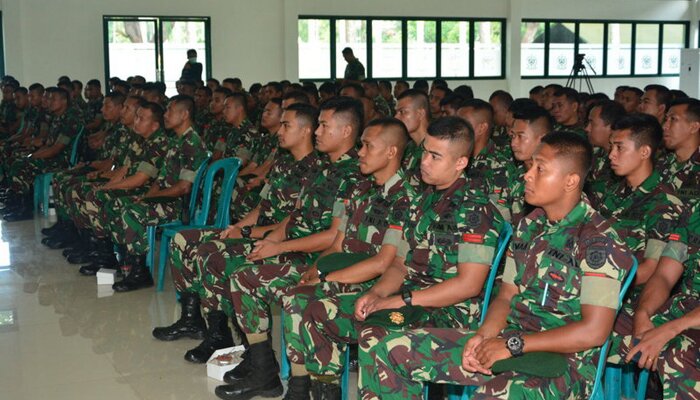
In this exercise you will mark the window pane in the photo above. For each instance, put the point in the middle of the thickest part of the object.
(353, 34)
(421, 49)
(561, 48)
(619, 49)
(314, 48)
(455, 49)
(532, 49)
(132, 49)
(386, 49)
(591, 44)
(178, 37)
(646, 58)
(487, 48)
(674, 41)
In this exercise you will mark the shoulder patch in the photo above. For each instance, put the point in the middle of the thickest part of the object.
(596, 256)
(473, 219)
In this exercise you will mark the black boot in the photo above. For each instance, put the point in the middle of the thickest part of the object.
(298, 388)
(23, 212)
(263, 380)
(325, 391)
(217, 336)
(191, 324)
(59, 225)
(82, 252)
(139, 276)
(66, 237)
(241, 371)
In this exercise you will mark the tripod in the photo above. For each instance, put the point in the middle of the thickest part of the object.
(579, 72)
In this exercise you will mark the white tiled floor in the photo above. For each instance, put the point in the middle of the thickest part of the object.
(60, 340)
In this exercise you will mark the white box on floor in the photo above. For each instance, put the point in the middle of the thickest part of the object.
(106, 276)
(104, 291)
(216, 369)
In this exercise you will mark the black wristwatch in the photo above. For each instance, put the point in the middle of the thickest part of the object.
(515, 344)
(407, 296)
(246, 231)
(321, 276)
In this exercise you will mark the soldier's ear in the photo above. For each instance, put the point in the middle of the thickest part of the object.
(572, 182)
(645, 151)
(462, 163)
(392, 151)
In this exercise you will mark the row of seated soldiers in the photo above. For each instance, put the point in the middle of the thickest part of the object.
(388, 244)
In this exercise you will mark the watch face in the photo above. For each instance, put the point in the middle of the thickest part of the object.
(514, 343)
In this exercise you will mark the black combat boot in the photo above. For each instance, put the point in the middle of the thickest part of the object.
(325, 391)
(263, 379)
(298, 388)
(218, 336)
(191, 324)
(139, 276)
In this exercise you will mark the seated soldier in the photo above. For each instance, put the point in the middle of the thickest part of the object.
(559, 294)
(53, 156)
(202, 99)
(216, 127)
(601, 117)
(370, 226)
(655, 101)
(18, 145)
(413, 109)
(630, 98)
(293, 169)
(237, 141)
(165, 200)
(565, 109)
(664, 335)
(93, 107)
(501, 101)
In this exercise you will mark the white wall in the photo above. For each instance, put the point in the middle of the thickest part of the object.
(257, 40)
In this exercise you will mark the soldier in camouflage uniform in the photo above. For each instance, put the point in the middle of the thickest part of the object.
(202, 115)
(371, 88)
(53, 156)
(294, 167)
(601, 117)
(216, 127)
(565, 108)
(559, 294)
(164, 200)
(501, 101)
(369, 219)
(19, 146)
(238, 140)
(413, 109)
(681, 164)
(665, 321)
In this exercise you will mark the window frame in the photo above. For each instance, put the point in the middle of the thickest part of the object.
(404, 45)
(159, 19)
(606, 23)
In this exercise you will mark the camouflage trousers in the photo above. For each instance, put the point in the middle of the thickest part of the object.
(10, 153)
(187, 274)
(679, 362)
(321, 346)
(402, 361)
(243, 200)
(98, 210)
(130, 229)
(255, 287)
(219, 259)
(63, 184)
(461, 316)
(24, 170)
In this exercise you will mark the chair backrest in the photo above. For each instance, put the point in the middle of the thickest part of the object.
(75, 145)
(597, 392)
(230, 167)
(197, 184)
(503, 239)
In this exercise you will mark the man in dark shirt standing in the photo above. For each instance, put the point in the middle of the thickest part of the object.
(354, 71)
(192, 71)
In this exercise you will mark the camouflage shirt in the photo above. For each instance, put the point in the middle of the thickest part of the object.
(215, 130)
(63, 129)
(382, 106)
(128, 148)
(500, 136)
(184, 157)
(684, 176)
(111, 139)
(576, 129)
(355, 70)
(286, 178)
(93, 109)
(410, 163)
(263, 147)
(376, 216)
(148, 155)
(489, 172)
(601, 177)
(643, 217)
(238, 142)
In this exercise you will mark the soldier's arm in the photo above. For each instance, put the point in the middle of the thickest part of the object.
(314, 242)
(498, 311)
(365, 270)
(658, 289)
(665, 218)
(392, 279)
(49, 152)
(180, 188)
(117, 174)
(130, 182)
(337, 245)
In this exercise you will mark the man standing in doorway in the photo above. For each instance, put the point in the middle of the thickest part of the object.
(354, 71)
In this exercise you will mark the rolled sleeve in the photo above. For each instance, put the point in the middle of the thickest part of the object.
(654, 249)
(402, 249)
(600, 291)
(148, 169)
(220, 146)
(63, 139)
(393, 235)
(187, 175)
(474, 253)
(677, 251)
(510, 271)
(265, 191)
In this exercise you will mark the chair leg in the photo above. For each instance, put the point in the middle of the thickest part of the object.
(162, 260)
(642, 384)
(284, 367)
(151, 235)
(46, 193)
(613, 381)
(627, 381)
(345, 378)
(38, 185)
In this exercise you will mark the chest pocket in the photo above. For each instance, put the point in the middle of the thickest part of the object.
(377, 214)
(560, 280)
(444, 234)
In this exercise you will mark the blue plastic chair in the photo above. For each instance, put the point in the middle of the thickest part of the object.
(42, 182)
(198, 216)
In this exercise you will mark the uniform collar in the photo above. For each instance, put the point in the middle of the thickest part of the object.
(572, 219)
(391, 182)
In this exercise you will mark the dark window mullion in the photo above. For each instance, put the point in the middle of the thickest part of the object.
(472, 41)
(546, 49)
(605, 49)
(333, 47)
(438, 48)
(633, 49)
(404, 48)
(368, 36)
(660, 49)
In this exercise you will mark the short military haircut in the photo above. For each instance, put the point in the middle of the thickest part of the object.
(553, 86)
(151, 87)
(186, 103)
(61, 92)
(610, 111)
(535, 115)
(637, 91)
(443, 89)
(502, 96)
(347, 108)
(395, 129)
(36, 87)
(223, 90)
(402, 82)
(328, 88)
(520, 104)
(599, 97)
(348, 50)
(574, 149)
(239, 98)
(385, 84)
(536, 89)
(464, 91)
(452, 100)
(454, 129)
(121, 85)
(77, 84)
(206, 90)
(356, 87)
(418, 98)
(421, 84)
(305, 114)
(156, 110)
(645, 130)
(661, 92)
(189, 83)
(276, 86)
(678, 94)
(371, 82)
(66, 85)
(481, 107)
(255, 88)
(236, 82)
(297, 95)
(22, 90)
(276, 100)
(439, 82)
(116, 98)
(692, 112)
(216, 81)
(570, 94)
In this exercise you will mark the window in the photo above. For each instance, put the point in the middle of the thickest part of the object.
(402, 48)
(611, 48)
(155, 47)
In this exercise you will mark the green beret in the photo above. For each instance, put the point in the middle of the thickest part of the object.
(540, 364)
(398, 318)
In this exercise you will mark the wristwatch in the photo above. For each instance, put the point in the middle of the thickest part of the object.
(246, 231)
(407, 296)
(515, 344)
(321, 276)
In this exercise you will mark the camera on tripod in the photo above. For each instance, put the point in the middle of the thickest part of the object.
(579, 75)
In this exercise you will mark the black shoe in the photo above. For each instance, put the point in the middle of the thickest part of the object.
(263, 380)
(241, 371)
(191, 324)
(55, 243)
(218, 336)
(138, 278)
(55, 228)
(89, 270)
(325, 391)
(298, 388)
(22, 214)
